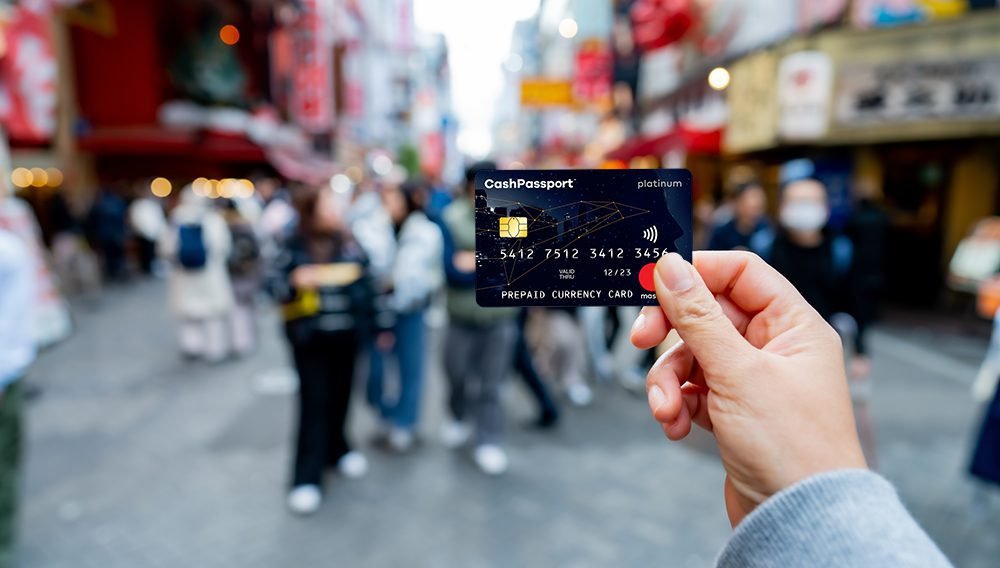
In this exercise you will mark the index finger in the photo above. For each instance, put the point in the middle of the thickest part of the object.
(749, 282)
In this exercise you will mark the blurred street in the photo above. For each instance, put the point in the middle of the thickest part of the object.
(137, 458)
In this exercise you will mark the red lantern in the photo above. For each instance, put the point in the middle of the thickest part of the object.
(659, 23)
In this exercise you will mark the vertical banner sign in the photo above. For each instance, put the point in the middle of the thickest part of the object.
(312, 92)
(592, 77)
(28, 76)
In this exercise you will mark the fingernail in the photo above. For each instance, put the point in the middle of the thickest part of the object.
(656, 398)
(675, 272)
(640, 322)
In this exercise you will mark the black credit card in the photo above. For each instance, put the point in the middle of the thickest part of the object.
(577, 237)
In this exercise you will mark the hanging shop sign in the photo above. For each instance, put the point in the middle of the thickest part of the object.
(916, 91)
(805, 82)
(752, 104)
(541, 92)
(887, 13)
(592, 75)
(312, 104)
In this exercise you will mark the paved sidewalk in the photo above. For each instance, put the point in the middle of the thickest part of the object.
(138, 459)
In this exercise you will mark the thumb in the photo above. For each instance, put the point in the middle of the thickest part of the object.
(697, 316)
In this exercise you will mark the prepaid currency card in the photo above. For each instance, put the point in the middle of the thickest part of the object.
(577, 237)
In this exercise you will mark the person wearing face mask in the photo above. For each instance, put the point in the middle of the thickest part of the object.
(819, 262)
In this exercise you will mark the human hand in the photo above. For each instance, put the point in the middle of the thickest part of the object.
(465, 260)
(304, 277)
(758, 367)
(861, 367)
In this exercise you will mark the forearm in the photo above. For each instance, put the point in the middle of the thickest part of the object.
(848, 518)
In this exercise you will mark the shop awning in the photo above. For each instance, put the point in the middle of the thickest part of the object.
(680, 138)
(160, 142)
(199, 153)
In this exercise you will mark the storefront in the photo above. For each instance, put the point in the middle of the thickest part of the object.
(921, 105)
(913, 109)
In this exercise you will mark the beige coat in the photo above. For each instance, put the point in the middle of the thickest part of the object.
(205, 293)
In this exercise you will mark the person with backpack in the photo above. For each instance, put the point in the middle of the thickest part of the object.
(245, 273)
(197, 247)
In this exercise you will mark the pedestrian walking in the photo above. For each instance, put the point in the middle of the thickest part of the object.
(820, 263)
(17, 352)
(562, 352)
(479, 344)
(524, 365)
(147, 223)
(197, 245)
(327, 295)
(415, 276)
(985, 463)
(73, 261)
(108, 232)
(749, 207)
(245, 274)
(611, 355)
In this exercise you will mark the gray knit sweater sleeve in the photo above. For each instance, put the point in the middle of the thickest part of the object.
(850, 518)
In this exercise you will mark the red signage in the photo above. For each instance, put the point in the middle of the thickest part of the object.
(659, 23)
(592, 78)
(312, 105)
(28, 76)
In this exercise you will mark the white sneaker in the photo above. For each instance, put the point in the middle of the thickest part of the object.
(353, 465)
(400, 439)
(491, 459)
(455, 434)
(580, 394)
(305, 499)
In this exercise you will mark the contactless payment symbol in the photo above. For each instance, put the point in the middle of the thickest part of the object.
(513, 227)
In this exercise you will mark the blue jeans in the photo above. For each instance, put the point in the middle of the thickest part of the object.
(408, 351)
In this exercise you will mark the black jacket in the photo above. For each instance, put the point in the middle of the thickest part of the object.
(330, 309)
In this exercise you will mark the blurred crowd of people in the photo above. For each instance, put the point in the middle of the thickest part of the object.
(368, 277)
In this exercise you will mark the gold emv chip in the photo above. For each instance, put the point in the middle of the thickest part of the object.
(513, 227)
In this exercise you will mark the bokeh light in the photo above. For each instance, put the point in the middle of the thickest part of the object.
(382, 165)
(229, 34)
(55, 177)
(244, 188)
(39, 178)
(568, 28)
(160, 187)
(718, 78)
(200, 186)
(21, 177)
(340, 183)
(226, 188)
